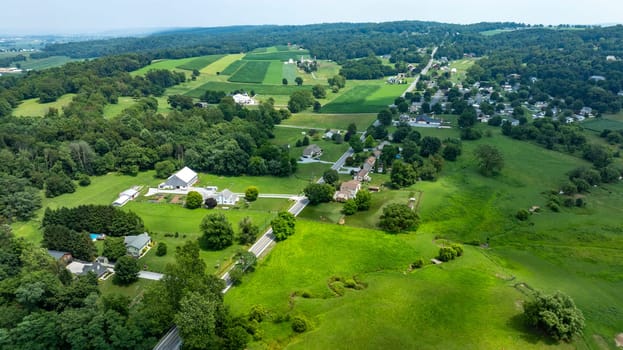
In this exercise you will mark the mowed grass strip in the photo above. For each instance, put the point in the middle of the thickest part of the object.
(200, 62)
(220, 65)
(32, 107)
(251, 72)
(233, 67)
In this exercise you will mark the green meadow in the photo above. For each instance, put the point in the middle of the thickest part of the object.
(473, 302)
(331, 121)
(32, 107)
(364, 98)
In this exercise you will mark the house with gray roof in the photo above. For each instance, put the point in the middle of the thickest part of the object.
(101, 268)
(181, 180)
(137, 245)
(60, 256)
(312, 151)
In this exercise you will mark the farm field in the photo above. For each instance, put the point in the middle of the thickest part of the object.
(330, 121)
(32, 107)
(233, 67)
(364, 99)
(219, 65)
(164, 64)
(200, 62)
(251, 72)
(276, 55)
(260, 89)
(45, 63)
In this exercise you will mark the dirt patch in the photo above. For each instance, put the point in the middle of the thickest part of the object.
(618, 340)
(176, 200)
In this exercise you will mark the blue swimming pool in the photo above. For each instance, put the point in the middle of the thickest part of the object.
(94, 236)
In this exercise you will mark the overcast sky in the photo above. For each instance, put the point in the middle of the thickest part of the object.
(92, 16)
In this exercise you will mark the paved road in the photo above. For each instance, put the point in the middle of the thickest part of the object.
(172, 340)
(148, 275)
(424, 71)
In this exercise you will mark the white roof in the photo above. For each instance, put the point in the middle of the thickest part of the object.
(130, 193)
(186, 174)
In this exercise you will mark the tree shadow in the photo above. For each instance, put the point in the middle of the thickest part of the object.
(529, 334)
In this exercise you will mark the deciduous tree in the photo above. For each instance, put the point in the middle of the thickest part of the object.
(217, 232)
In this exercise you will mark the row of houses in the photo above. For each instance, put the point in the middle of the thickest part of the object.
(136, 246)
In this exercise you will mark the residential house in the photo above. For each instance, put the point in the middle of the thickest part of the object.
(226, 197)
(201, 104)
(137, 245)
(125, 197)
(182, 180)
(312, 151)
(64, 257)
(586, 111)
(369, 163)
(348, 190)
(362, 175)
(100, 267)
(243, 99)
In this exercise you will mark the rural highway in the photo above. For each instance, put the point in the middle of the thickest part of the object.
(424, 71)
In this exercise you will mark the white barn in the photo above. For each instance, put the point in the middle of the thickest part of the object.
(181, 180)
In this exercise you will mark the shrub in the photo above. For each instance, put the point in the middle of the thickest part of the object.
(193, 200)
(251, 193)
(419, 263)
(161, 250)
(458, 249)
(522, 214)
(446, 254)
(258, 313)
(553, 206)
(299, 324)
(84, 180)
(568, 202)
(350, 207)
(580, 202)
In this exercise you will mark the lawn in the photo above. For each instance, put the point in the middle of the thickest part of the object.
(200, 62)
(164, 220)
(32, 107)
(397, 310)
(288, 136)
(251, 72)
(133, 291)
(331, 121)
(103, 190)
(266, 184)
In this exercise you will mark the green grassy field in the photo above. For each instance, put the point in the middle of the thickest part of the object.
(32, 107)
(251, 72)
(290, 72)
(601, 124)
(274, 74)
(331, 121)
(200, 62)
(398, 309)
(45, 63)
(266, 184)
(113, 110)
(276, 56)
(164, 64)
(574, 251)
(288, 136)
(461, 67)
(364, 99)
(260, 89)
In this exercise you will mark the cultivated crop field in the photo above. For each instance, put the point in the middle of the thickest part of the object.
(260, 89)
(364, 99)
(200, 62)
(277, 55)
(602, 124)
(233, 67)
(251, 72)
